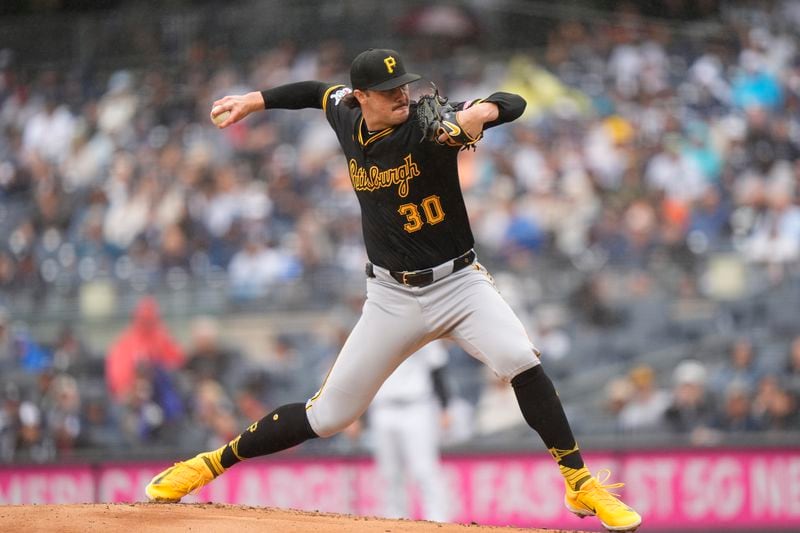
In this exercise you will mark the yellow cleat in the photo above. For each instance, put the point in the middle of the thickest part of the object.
(593, 499)
(184, 478)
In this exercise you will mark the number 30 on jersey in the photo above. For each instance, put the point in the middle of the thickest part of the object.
(432, 213)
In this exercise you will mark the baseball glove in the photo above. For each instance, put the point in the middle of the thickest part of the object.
(436, 117)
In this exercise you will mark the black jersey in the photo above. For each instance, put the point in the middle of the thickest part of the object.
(412, 210)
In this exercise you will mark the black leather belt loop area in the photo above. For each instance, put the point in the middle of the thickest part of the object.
(421, 278)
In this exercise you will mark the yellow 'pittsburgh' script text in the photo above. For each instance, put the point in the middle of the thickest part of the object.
(376, 178)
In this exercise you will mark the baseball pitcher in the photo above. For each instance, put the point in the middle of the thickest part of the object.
(423, 280)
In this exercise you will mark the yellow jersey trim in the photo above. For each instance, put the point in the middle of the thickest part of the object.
(327, 94)
(380, 135)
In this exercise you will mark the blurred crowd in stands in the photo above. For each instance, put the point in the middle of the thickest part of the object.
(739, 394)
(149, 389)
(646, 157)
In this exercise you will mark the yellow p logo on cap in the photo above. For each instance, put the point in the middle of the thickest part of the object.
(390, 62)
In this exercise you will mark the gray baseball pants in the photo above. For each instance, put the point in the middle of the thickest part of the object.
(397, 320)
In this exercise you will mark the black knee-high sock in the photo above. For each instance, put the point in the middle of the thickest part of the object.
(542, 410)
(283, 428)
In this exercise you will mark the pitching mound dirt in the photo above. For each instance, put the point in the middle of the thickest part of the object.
(213, 518)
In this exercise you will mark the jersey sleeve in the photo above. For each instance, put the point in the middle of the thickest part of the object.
(314, 94)
(300, 95)
(339, 115)
(510, 106)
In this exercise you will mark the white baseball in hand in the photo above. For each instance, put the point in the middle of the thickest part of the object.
(219, 117)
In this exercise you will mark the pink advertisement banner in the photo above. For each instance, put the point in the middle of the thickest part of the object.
(691, 490)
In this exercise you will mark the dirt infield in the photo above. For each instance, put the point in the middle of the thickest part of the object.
(213, 518)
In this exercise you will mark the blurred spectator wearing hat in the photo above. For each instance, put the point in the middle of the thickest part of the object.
(146, 342)
(152, 411)
(692, 408)
(741, 366)
(213, 418)
(63, 417)
(774, 406)
(100, 419)
(32, 442)
(72, 355)
(735, 412)
(617, 394)
(645, 408)
(208, 358)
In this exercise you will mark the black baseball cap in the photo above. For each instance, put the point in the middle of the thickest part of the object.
(379, 69)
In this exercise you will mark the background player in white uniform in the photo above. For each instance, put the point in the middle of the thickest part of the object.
(405, 420)
(423, 281)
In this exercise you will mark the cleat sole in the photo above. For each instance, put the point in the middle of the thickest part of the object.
(622, 529)
(159, 499)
